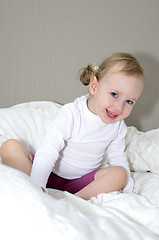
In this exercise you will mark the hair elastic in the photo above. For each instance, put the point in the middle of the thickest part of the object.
(96, 68)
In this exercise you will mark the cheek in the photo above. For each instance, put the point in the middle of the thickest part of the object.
(127, 111)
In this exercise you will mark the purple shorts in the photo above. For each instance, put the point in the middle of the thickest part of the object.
(73, 185)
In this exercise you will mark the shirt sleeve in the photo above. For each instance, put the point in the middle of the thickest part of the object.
(57, 132)
(116, 155)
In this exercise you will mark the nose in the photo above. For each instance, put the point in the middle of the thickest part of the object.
(119, 107)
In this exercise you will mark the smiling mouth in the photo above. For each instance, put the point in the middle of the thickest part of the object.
(111, 114)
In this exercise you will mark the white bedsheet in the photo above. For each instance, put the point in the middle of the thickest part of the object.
(26, 212)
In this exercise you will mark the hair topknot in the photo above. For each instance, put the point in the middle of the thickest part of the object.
(87, 72)
(131, 67)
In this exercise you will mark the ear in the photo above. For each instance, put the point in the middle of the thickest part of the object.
(93, 85)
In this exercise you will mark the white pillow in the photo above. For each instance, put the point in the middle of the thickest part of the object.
(143, 150)
(26, 122)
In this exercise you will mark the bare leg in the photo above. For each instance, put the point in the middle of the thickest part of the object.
(15, 155)
(106, 180)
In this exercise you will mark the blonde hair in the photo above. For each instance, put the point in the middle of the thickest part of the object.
(131, 67)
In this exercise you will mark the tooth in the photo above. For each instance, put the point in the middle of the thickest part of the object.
(111, 114)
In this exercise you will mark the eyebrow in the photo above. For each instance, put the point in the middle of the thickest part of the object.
(133, 99)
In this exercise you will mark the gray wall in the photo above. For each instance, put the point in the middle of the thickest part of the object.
(43, 44)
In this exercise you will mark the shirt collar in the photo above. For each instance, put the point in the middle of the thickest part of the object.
(91, 116)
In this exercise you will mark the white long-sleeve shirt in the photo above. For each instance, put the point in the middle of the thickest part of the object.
(75, 142)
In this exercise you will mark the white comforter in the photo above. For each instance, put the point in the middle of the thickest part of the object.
(28, 213)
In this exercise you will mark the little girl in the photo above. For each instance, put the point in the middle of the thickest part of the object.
(69, 156)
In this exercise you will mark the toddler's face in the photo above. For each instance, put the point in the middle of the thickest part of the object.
(113, 97)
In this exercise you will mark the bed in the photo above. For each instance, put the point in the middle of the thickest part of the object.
(26, 212)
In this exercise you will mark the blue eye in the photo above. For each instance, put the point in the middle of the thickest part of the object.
(129, 102)
(114, 94)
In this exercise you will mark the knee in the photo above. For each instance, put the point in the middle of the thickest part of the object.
(122, 175)
(8, 147)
